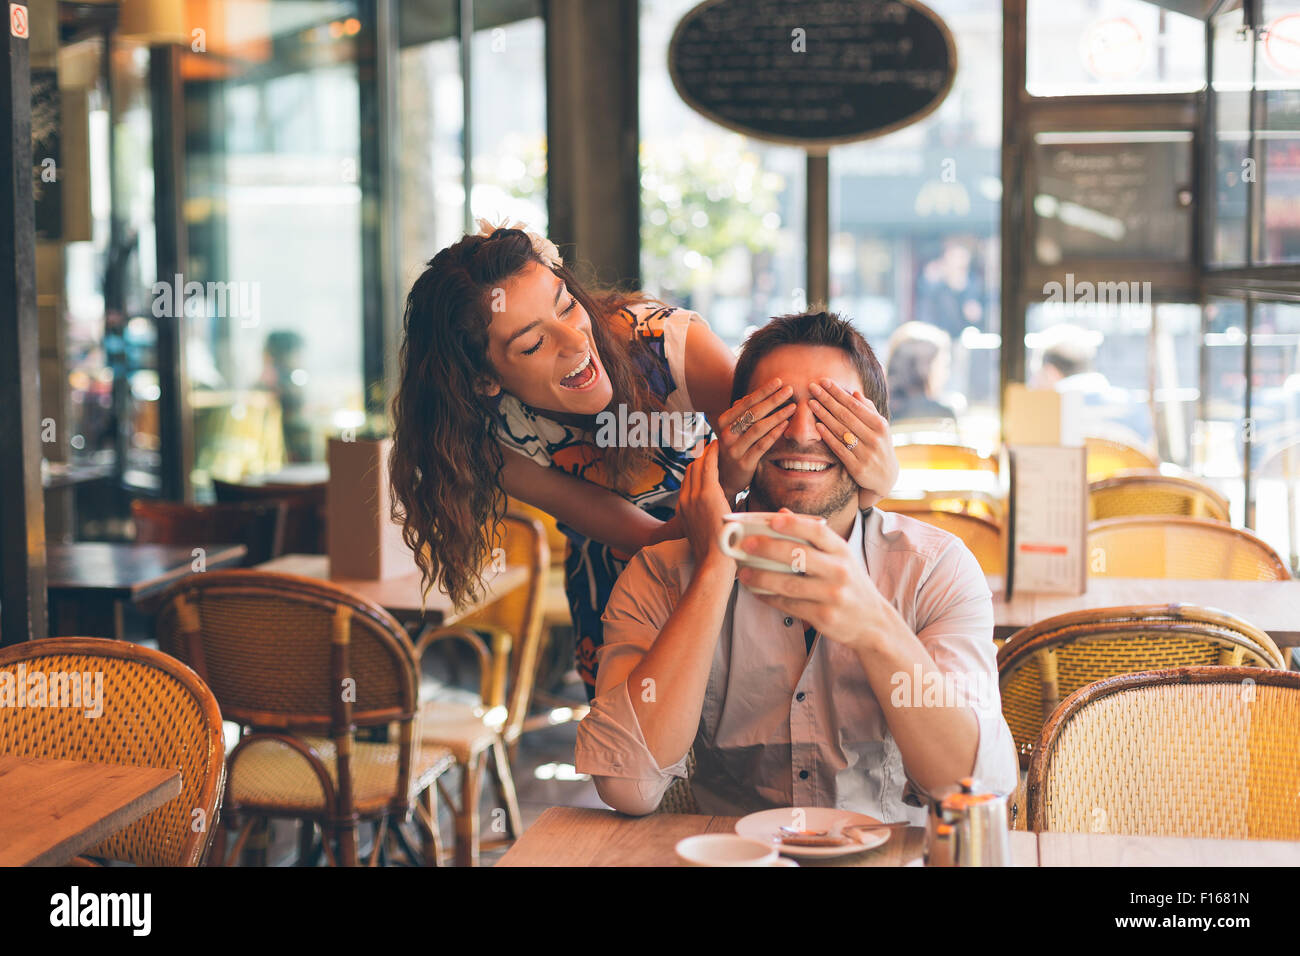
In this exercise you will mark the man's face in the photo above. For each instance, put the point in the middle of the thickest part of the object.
(799, 472)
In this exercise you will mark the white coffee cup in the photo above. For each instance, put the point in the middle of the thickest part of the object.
(740, 525)
(726, 849)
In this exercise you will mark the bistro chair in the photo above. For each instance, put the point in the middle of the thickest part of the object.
(485, 729)
(1178, 547)
(304, 510)
(157, 713)
(924, 455)
(258, 526)
(1041, 664)
(1124, 496)
(971, 502)
(981, 535)
(306, 668)
(1189, 751)
(1108, 457)
(1045, 662)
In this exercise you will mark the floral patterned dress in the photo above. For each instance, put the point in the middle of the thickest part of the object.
(591, 567)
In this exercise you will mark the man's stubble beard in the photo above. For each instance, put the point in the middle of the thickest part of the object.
(831, 503)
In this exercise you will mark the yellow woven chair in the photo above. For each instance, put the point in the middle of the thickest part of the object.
(1177, 547)
(981, 535)
(1124, 496)
(157, 713)
(940, 456)
(303, 665)
(1041, 664)
(1190, 751)
(1107, 457)
(489, 725)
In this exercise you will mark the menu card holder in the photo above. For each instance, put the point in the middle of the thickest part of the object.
(364, 542)
(1047, 520)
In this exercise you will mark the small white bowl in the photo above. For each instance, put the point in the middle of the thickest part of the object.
(726, 849)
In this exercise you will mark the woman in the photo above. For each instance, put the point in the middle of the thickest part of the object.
(512, 374)
(920, 357)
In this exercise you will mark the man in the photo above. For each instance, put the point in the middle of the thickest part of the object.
(814, 695)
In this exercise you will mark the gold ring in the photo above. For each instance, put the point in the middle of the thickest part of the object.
(850, 440)
(742, 424)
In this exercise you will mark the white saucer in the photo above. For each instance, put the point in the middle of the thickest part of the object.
(765, 826)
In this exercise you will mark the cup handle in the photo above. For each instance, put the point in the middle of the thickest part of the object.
(727, 538)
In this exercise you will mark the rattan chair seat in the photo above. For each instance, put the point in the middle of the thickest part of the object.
(457, 727)
(271, 777)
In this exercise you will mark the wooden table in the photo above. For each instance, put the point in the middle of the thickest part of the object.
(86, 580)
(569, 836)
(52, 810)
(572, 836)
(1272, 606)
(399, 596)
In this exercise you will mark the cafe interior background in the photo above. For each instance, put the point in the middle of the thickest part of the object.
(310, 155)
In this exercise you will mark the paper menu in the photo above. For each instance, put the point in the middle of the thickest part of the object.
(1047, 520)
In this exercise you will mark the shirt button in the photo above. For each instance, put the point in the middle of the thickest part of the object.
(800, 696)
(789, 622)
(803, 774)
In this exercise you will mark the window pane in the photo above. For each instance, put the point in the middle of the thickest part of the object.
(722, 215)
(1277, 78)
(1234, 168)
(1112, 195)
(1275, 401)
(914, 237)
(1218, 438)
(1112, 46)
(509, 103)
(273, 205)
(431, 168)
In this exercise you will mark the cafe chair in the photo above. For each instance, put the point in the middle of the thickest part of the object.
(924, 455)
(1190, 751)
(304, 510)
(981, 535)
(157, 713)
(258, 526)
(1124, 496)
(1108, 457)
(482, 731)
(1045, 662)
(323, 685)
(1170, 546)
(971, 502)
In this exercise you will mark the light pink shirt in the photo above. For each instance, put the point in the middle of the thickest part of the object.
(781, 727)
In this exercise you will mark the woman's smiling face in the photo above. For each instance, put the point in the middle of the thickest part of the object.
(541, 345)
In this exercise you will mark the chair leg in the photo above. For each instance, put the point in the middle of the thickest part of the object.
(467, 834)
(426, 817)
(346, 833)
(306, 842)
(505, 783)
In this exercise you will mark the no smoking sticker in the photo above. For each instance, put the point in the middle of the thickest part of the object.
(18, 20)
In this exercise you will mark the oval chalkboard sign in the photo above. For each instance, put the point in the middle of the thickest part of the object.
(812, 73)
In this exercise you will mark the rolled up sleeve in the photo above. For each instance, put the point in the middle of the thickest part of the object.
(610, 745)
(955, 624)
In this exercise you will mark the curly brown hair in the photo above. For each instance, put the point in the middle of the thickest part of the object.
(445, 468)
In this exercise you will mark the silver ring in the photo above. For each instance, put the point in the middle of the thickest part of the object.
(742, 424)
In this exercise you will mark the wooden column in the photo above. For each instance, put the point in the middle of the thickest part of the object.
(593, 175)
(817, 225)
(22, 507)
